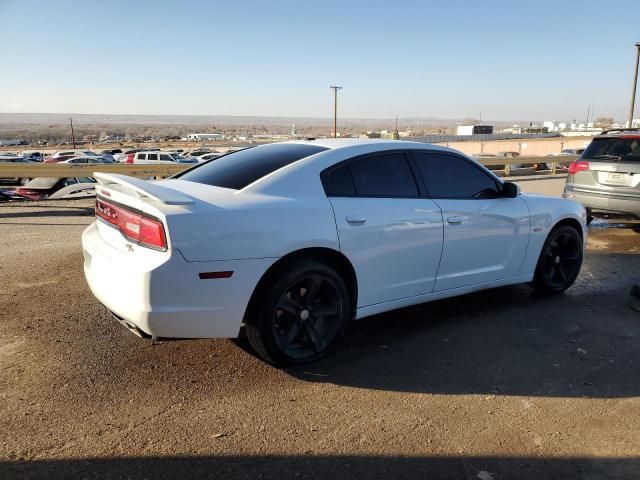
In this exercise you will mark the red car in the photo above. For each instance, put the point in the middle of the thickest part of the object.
(42, 188)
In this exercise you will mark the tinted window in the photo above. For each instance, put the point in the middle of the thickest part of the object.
(448, 176)
(338, 182)
(152, 156)
(387, 175)
(613, 150)
(166, 158)
(239, 169)
(142, 156)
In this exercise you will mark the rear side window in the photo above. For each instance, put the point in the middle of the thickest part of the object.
(239, 169)
(613, 150)
(152, 156)
(449, 176)
(338, 182)
(387, 175)
(142, 156)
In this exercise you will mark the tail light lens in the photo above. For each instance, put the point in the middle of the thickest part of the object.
(136, 227)
(578, 166)
(130, 157)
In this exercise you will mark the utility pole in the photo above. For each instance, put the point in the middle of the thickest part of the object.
(635, 83)
(335, 110)
(73, 137)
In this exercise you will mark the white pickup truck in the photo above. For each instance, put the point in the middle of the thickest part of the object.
(159, 157)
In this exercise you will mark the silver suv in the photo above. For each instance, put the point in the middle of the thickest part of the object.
(606, 177)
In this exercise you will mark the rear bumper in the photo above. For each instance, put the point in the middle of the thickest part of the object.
(605, 203)
(161, 294)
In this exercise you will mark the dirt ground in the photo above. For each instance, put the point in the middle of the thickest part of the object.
(494, 385)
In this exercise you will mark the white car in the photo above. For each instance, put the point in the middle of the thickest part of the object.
(293, 240)
(91, 159)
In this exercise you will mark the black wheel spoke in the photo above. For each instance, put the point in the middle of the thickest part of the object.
(325, 310)
(313, 290)
(289, 305)
(294, 332)
(569, 258)
(561, 272)
(316, 341)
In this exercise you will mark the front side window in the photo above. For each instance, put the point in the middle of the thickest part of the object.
(450, 176)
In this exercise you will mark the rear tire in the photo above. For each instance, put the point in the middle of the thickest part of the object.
(300, 316)
(589, 217)
(560, 260)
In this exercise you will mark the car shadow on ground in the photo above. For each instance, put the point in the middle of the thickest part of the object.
(316, 466)
(510, 341)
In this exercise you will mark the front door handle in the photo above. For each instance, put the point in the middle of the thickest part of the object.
(356, 219)
(456, 220)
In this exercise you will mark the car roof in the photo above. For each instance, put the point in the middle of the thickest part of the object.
(340, 143)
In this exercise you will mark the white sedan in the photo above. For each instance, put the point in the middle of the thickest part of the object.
(293, 240)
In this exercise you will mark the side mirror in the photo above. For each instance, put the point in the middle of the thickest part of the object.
(510, 190)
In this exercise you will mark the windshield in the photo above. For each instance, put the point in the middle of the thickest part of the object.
(613, 150)
(239, 169)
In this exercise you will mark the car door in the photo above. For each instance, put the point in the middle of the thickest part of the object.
(391, 234)
(485, 234)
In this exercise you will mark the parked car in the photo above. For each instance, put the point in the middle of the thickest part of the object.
(13, 158)
(572, 151)
(507, 154)
(150, 157)
(42, 188)
(293, 240)
(197, 153)
(606, 177)
(33, 156)
(67, 154)
(208, 156)
(76, 160)
(111, 151)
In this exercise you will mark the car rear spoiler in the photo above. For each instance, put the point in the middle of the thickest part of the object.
(144, 188)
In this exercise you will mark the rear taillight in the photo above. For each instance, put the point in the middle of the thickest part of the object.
(130, 157)
(136, 227)
(578, 166)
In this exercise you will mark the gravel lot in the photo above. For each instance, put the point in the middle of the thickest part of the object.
(500, 384)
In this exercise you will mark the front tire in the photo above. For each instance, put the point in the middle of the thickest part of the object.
(301, 316)
(560, 260)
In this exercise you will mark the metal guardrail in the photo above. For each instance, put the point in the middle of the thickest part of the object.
(33, 170)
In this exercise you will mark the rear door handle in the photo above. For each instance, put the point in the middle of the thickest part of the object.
(356, 219)
(456, 220)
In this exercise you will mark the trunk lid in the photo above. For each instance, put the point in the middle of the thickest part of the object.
(160, 201)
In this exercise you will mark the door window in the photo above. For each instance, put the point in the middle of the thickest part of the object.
(450, 176)
(385, 176)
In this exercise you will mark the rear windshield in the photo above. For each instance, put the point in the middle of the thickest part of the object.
(239, 169)
(613, 150)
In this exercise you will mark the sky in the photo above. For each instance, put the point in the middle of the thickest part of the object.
(507, 60)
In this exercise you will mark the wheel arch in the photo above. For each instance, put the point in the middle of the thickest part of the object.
(333, 258)
(569, 222)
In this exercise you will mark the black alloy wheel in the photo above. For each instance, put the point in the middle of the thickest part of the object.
(302, 316)
(560, 260)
